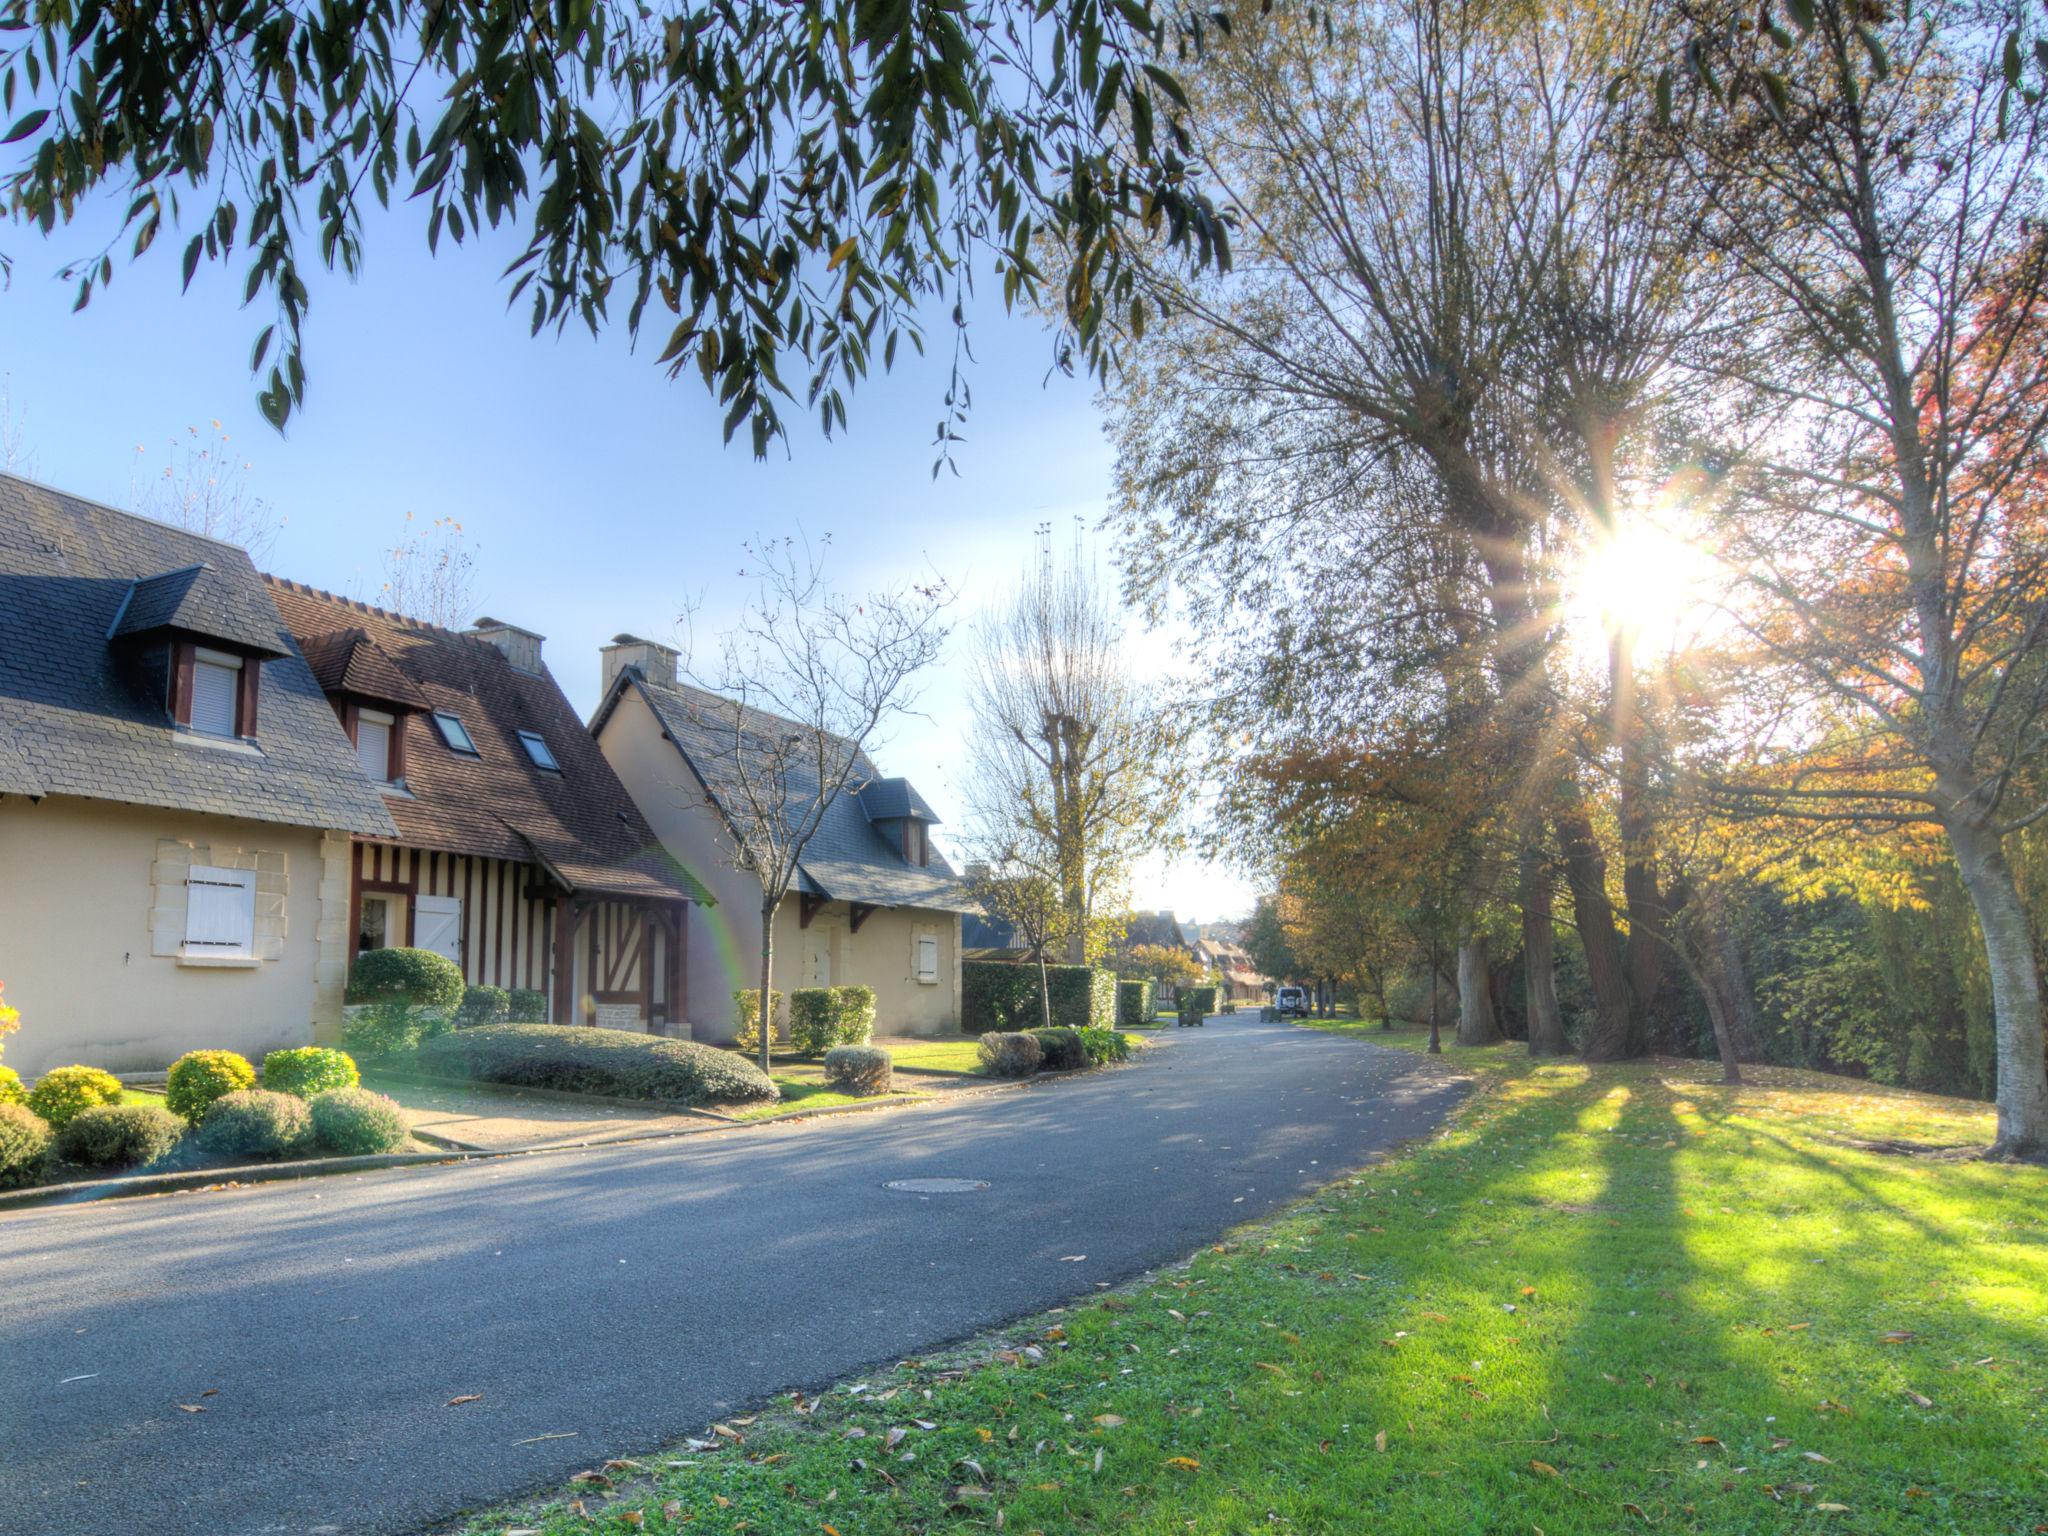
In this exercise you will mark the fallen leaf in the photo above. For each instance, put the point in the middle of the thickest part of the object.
(1895, 1336)
(1274, 1369)
(895, 1437)
(1816, 1456)
(632, 1517)
(1108, 1420)
(594, 1479)
(1545, 1468)
(1072, 1258)
(1184, 1463)
(467, 1397)
(1379, 1441)
(190, 1408)
(1918, 1402)
(726, 1432)
(1833, 1509)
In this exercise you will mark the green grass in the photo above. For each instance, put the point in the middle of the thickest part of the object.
(142, 1096)
(803, 1088)
(959, 1056)
(1606, 1300)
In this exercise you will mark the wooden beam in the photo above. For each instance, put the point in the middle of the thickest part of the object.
(808, 907)
(679, 967)
(861, 911)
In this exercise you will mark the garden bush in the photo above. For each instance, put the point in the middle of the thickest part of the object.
(11, 1091)
(580, 1059)
(390, 1028)
(746, 1002)
(1134, 1002)
(1060, 1048)
(1082, 997)
(1010, 1053)
(356, 1122)
(64, 1092)
(1104, 1045)
(120, 1136)
(24, 1145)
(997, 995)
(484, 1005)
(197, 1078)
(822, 1017)
(309, 1069)
(527, 1006)
(866, 1070)
(1200, 1001)
(254, 1122)
(416, 976)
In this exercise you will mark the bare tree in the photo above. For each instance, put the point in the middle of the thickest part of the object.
(1071, 754)
(204, 486)
(17, 457)
(430, 574)
(1017, 883)
(797, 692)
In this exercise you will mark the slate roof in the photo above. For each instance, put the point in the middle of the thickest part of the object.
(894, 799)
(848, 858)
(81, 715)
(1159, 928)
(579, 823)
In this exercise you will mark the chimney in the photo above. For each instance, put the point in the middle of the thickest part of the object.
(521, 646)
(976, 872)
(656, 663)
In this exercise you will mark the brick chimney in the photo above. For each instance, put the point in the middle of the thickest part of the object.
(521, 646)
(657, 663)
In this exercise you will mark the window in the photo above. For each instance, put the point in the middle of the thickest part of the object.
(374, 930)
(216, 692)
(373, 744)
(538, 751)
(928, 959)
(454, 732)
(917, 847)
(220, 913)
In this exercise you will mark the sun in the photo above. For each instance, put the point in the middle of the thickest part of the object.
(1642, 584)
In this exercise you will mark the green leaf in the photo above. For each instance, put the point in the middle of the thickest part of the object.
(1664, 96)
(28, 125)
(1802, 14)
(192, 257)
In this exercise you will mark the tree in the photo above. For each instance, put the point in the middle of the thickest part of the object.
(1015, 885)
(430, 574)
(1265, 940)
(204, 486)
(800, 688)
(1069, 753)
(781, 184)
(17, 457)
(1171, 968)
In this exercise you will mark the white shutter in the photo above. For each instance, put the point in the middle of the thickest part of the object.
(220, 912)
(373, 745)
(214, 686)
(437, 925)
(927, 957)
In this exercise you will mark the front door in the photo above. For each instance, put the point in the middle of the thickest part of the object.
(437, 925)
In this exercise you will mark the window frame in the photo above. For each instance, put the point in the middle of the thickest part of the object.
(443, 718)
(390, 723)
(544, 758)
(185, 689)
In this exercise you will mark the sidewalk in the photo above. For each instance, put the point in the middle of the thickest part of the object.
(492, 1119)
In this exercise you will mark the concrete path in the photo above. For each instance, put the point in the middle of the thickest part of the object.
(619, 1297)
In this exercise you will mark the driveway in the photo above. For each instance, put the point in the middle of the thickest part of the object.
(603, 1302)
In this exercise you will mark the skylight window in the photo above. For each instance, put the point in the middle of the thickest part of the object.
(538, 751)
(454, 732)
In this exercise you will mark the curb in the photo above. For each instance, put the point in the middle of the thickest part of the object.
(84, 1191)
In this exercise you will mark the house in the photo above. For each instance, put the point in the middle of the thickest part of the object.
(1240, 979)
(1157, 929)
(513, 848)
(177, 800)
(874, 902)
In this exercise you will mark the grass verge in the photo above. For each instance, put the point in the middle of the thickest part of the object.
(957, 1056)
(1603, 1300)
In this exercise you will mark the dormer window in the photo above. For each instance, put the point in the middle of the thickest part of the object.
(917, 846)
(214, 692)
(537, 749)
(373, 743)
(454, 732)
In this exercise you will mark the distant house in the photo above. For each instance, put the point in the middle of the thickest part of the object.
(177, 800)
(1241, 981)
(514, 850)
(1153, 928)
(874, 903)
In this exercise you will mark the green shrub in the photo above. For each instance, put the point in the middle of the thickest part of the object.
(860, 1069)
(416, 976)
(197, 1078)
(309, 1069)
(11, 1091)
(1200, 1001)
(1104, 1045)
(997, 995)
(254, 1122)
(822, 1017)
(1060, 1048)
(1134, 1002)
(24, 1145)
(580, 1059)
(120, 1136)
(1082, 997)
(63, 1092)
(1010, 1053)
(390, 1028)
(356, 1122)
(746, 1003)
(484, 1005)
(527, 1006)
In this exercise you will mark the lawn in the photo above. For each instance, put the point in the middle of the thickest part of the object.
(1618, 1299)
(957, 1056)
(803, 1087)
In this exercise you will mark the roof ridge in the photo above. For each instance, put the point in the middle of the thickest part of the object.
(307, 589)
(679, 686)
(127, 512)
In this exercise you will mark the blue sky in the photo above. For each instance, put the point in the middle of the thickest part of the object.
(595, 492)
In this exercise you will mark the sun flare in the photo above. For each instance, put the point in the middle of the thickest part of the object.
(1643, 584)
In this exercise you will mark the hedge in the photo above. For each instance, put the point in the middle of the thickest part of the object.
(197, 1078)
(1134, 1002)
(996, 995)
(417, 976)
(529, 1005)
(305, 1070)
(822, 1017)
(1010, 1053)
(484, 1005)
(24, 1145)
(1060, 1048)
(254, 1122)
(63, 1093)
(746, 1002)
(863, 1070)
(1198, 1000)
(1082, 998)
(355, 1122)
(120, 1136)
(581, 1059)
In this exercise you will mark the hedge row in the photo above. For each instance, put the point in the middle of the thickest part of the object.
(1134, 1002)
(581, 1059)
(997, 995)
(822, 1017)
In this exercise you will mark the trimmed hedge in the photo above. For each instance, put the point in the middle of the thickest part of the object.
(746, 1002)
(1060, 1048)
(24, 1145)
(1082, 997)
(997, 995)
(1198, 1000)
(484, 1005)
(11, 1091)
(866, 1070)
(356, 1122)
(822, 1017)
(529, 1005)
(1010, 1053)
(1134, 999)
(417, 976)
(579, 1059)
(390, 1028)
(63, 1093)
(309, 1069)
(120, 1136)
(254, 1122)
(197, 1078)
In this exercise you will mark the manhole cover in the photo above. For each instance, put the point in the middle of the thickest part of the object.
(936, 1186)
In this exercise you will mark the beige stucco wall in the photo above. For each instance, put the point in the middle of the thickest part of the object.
(91, 909)
(725, 941)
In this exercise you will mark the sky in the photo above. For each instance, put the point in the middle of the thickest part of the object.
(594, 491)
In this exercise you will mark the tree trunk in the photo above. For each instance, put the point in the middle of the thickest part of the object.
(1045, 992)
(1436, 1044)
(1745, 1023)
(1706, 964)
(2015, 989)
(1649, 947)
(1476, 1022)
(1539, 961)
(1585, 867)
(767, 975)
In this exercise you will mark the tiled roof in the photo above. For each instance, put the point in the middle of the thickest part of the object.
(580, 823)
(1153, 928)
(81, 714)
(349, 661)
(206, 601)
(847, 859)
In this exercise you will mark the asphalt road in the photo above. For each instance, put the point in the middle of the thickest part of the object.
(622, 1297)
